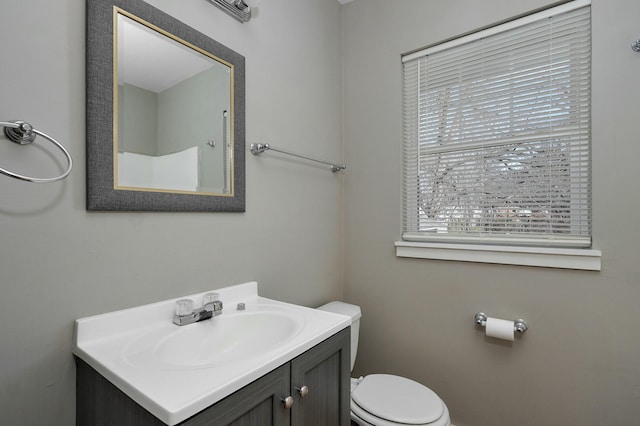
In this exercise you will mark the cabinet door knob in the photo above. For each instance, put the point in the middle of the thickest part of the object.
(287, 402)
(304, 391)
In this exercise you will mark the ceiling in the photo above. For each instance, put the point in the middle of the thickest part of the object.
(146, 50)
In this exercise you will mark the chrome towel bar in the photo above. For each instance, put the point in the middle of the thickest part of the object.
(259, 148)
(23, 133)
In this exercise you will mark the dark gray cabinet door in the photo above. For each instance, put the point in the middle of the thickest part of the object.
(100, 403)
(257, 404)
(325, 371)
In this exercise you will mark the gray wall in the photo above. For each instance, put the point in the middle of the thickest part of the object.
(137, 120)
(578, 363)
(59, 262)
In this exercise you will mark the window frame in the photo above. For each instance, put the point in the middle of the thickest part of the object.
(525, 251)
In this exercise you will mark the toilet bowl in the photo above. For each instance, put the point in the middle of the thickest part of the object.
(385, 399)
(388, 400)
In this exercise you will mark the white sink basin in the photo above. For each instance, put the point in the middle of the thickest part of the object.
(175, 371)
(220, 341)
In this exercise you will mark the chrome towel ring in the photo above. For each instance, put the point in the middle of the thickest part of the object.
(23, 133)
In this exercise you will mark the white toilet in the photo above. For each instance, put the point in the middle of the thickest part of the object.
(387, 400)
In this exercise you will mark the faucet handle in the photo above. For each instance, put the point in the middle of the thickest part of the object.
(212, 302)
(210, 298)
(184, 307)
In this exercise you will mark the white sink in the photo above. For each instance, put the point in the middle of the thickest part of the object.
(221, 341)
(175, 371)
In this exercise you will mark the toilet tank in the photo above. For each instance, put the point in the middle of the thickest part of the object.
(352, 311)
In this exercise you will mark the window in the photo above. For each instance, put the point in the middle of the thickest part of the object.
(497, 135)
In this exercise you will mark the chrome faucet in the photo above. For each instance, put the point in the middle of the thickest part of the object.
(186, 314)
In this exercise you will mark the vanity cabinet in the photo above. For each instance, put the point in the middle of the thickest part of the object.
(316, 381)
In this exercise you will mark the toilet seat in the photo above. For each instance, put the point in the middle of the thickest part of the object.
(388, 400)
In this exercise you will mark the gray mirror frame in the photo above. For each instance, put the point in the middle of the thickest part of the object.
(101, 194)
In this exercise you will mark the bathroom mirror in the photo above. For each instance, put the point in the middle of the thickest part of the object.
(165, 113)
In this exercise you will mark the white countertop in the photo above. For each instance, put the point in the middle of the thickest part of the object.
(116, 345)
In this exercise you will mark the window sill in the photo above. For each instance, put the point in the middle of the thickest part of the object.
(582, 259)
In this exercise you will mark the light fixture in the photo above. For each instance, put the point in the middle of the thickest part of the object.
(239, 9)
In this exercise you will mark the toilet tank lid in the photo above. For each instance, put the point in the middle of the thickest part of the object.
(343, 308)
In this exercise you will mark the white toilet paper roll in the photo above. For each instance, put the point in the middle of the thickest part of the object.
(499, 328)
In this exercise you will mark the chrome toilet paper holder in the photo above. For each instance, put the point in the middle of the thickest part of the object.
(519, 325)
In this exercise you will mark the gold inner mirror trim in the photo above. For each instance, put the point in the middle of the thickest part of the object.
(116, 12)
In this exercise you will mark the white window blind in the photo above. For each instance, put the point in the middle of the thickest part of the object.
(497, 134)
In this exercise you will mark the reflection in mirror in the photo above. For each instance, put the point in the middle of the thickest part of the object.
(173, 131)
(165, 113)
